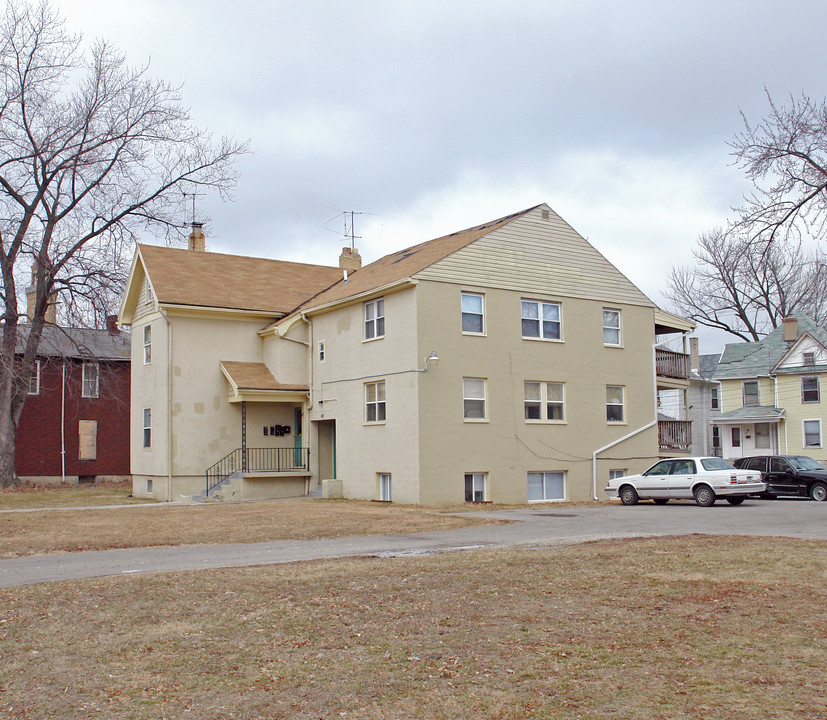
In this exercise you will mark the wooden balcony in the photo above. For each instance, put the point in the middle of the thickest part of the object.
(675, 436)
(672, 364)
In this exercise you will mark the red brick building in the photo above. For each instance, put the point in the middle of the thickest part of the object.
(75, 424)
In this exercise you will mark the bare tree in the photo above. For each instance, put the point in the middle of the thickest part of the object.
(746, 286)
(92, 154)
(785, 157)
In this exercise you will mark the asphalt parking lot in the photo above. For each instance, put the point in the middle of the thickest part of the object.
(538, 526)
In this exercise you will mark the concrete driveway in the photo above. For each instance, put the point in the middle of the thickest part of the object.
(540, 526)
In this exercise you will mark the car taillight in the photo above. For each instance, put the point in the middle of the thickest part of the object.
(733, 479)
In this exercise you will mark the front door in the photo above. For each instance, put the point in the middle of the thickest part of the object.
(298, 460)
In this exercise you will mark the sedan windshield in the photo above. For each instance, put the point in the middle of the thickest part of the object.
(714, 463)
(802, 462)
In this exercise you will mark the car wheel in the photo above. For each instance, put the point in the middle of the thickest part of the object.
(735, 500)
(818, 491)
(704, 495)
(661, 501)
(628, 495)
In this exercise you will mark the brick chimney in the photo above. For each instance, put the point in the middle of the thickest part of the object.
(350, 259)
(694, 355)
(790, 329)
(31, 301)
(112, 324)
(197, 241)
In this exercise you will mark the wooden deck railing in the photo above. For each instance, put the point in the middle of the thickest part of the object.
(672, 364)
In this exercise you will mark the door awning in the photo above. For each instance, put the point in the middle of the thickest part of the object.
(253, 382)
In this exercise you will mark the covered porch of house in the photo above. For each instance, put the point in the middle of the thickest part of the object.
(749, 431)
(272, 461)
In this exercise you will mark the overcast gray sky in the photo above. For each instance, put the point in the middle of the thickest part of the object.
(430, 117)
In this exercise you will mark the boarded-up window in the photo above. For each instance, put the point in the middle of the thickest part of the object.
(88, 436)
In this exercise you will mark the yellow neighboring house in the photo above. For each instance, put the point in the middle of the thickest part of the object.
(509, 362)
(771, 393)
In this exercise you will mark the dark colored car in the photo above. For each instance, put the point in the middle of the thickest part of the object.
(788, 475)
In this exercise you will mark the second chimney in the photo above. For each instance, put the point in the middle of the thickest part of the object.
(197, 239)
(350, 259)
(790, 329)
(694, 355)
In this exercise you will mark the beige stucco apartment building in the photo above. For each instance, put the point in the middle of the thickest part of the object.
(509, 362)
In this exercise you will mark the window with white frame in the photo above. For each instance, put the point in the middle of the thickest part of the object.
(715, 401)
(540, 320)
(375, 402)
(321, 351)
(91, 379)
(147, 427)
(615, 474)
(149, 485)
(473, 313)
(148, 293)
(751, 396)
(611, 327)
(375, 319)
(810, 390)
(34, 379)
(544, 401)
(475, 487)
(385, 487)
(473, 398)
(809, 358)
(543, 486)
(147, 344)
(614, 404)
(812, 433)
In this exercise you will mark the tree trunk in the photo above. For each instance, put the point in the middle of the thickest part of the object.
(8, 437)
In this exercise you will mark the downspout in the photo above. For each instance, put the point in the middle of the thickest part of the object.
(307, 426)
(63, 426)
(634, 432)
(610, 445)
(169, 407)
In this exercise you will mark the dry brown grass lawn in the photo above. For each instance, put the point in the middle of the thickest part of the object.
(37, 533)
(38, 496)
(652, 629)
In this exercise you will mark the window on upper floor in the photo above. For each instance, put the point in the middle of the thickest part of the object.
(540, 320)
(615, 404)
(751, 397)
(34, 380)
(321, 351)
(375, 402)
(809, 359)
(374, 319)
(147, 344)
(810, 390)
(715, 402)
(473, 313)
(544, 401)
(473, 398)
(91, 379)
(149, 296)
(611, 327)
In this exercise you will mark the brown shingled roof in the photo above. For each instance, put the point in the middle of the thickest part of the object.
(255, 376)
(405, 263)
(205, 279)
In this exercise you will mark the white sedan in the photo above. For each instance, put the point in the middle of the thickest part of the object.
(703, 478)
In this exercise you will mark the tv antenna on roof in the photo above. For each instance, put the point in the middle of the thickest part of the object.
(349, 231)
(193, 195)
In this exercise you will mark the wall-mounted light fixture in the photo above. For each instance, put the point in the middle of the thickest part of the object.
(431, 358)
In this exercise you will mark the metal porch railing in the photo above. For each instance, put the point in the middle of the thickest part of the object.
(257, 459)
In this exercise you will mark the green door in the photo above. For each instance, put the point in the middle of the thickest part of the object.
(298, 460)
